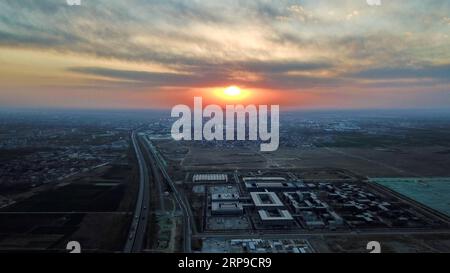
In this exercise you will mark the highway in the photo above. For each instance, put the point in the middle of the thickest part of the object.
(138, 227)
(182, 202)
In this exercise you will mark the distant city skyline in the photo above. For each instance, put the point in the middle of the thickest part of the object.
(155, 54)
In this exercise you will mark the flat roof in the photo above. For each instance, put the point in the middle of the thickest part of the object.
(264, 178)
(270, 185)
(224, 196)
(226, 206)
(210, 177)
(266, 199)
(275, 215)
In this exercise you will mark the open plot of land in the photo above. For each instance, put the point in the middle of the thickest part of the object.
(227, 223)
(389, 243)
(42, 231)
(93, 210)
(223, 159)
(418, 161)
(164, 237)
(175, 150)
(366, 161)
(433, 193)
(75, 197)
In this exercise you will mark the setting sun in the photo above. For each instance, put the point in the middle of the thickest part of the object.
(232, 91)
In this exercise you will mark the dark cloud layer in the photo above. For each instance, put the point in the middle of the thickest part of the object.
(441, 72)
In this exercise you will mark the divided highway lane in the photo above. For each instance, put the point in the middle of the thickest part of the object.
(138, 227)
(187, 214)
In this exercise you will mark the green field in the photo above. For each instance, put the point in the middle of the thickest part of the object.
(432, 192)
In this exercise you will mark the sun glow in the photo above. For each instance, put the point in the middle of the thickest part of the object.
(233, 91)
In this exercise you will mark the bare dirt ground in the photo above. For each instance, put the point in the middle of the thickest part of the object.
(372, 162)
(223, 159)
(389, 243)
(420, 161)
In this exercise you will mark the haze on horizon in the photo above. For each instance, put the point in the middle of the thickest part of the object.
(155, 54)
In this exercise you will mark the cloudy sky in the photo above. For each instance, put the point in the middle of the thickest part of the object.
(155, 54)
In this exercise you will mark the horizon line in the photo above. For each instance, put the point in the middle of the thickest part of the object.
(286, 109)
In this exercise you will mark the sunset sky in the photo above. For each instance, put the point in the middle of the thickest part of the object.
(155, 54)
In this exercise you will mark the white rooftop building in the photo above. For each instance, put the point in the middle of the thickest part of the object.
(275, 217)
(270, 186)
(227, 208)
(217, 197)
(210, 177)
(263, 179)
(267, 200)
